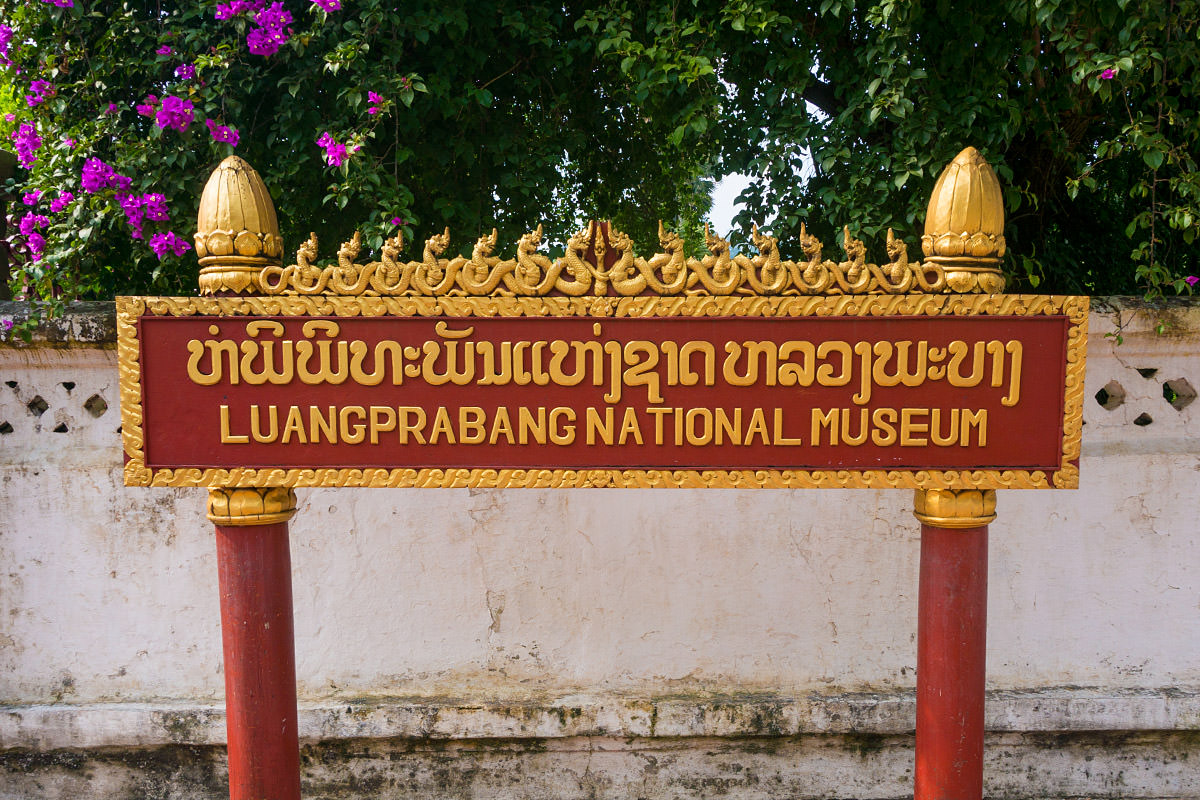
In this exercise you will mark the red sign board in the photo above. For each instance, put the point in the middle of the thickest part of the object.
(804, 393)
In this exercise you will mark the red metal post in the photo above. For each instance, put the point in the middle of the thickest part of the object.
(951, 643)
(254, 566)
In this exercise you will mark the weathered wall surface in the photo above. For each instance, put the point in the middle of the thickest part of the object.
(604, 643)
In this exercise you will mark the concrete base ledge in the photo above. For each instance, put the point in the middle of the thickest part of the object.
(52, 727)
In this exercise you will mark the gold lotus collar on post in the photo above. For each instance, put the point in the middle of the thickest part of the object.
(237, 233)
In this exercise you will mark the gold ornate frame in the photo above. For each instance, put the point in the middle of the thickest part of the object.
(930, 305)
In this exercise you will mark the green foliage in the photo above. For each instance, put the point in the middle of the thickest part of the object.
(846, 113)
(506, 115)
(494, 114)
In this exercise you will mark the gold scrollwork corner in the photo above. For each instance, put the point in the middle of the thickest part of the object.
(246, 507)
(955, 508)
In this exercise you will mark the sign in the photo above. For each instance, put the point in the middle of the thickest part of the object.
(922, 391)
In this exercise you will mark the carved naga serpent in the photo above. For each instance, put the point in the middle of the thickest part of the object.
(581, 270)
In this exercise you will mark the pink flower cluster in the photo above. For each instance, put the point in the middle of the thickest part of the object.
(175, 113)
(165, 50)
(98, 176)
(62, 201)
(168, 242)
(29, 225)
(1191, 280)
(139, 208)
(185, 72)
(376, 101)
(236, 7)
(329, 5)
(39, 92)
(335, 154)
(6, 35)
(26, 141)
(270, 35)
(31, 198)
(222, 133)
(60, 3)
(149, 106)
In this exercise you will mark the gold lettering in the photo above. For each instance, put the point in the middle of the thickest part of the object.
(705, 434)
(470, 425)
(294, 425)
(256, 429)
(383, 418)
(935, 427)
(792, 374)
(562, 432)
(779, 437)
(501, 426)
(318, 425)
(529, 425)
(226, 436)
(1016, 350)
(641, 373)
(658, 414)
(863, 428)
(958, 353)
(594, 425)
(727, 427)
(352, 433)
(884, 432)
(758, 424)
(909, 427)
(820, 420)
(358, 352)
(403, 428)
(825, 376)
(251, 348)
(441, 426)
(630, 427)
(197, 349)
(325, 369)
(977, 420)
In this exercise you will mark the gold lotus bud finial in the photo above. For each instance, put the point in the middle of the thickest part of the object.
(237, 233)
(964, 226)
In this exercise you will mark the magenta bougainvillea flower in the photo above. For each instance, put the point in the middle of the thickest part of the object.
(149, 106)
(335, 154)
(175, 113)
(223, 133)
(97, 176)
(39, 92)
(169, 242)
(31, 198)
(165, 50)
(185, 72)
(26, 141)
(62, 201)
(1108, 74)
(329, 5)
(1191, 280)
(272, 31)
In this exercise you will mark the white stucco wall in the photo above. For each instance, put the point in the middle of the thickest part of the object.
(108, 594)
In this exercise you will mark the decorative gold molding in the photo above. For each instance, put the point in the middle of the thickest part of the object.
(246, 507)
(600, 262)
(955, 508)
(1067, 476)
